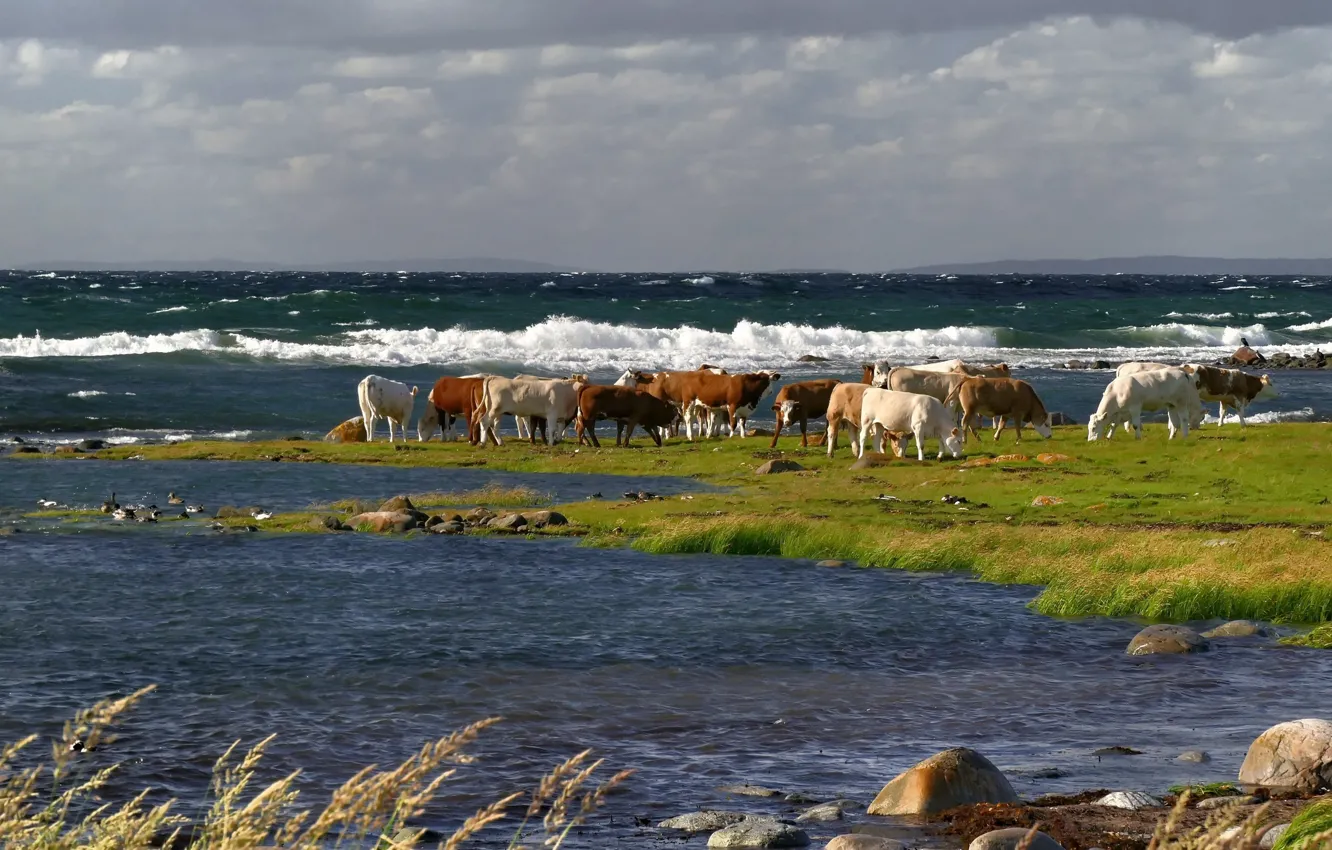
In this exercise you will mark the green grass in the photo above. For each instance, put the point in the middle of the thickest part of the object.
(1206, 789)
(1226, 524)
(1319, 638)
(1314, 822)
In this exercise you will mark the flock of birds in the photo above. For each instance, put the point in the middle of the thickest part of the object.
(150, 513)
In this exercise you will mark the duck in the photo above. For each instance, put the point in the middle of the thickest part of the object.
(184, 514)
(261, 514)
(110, 504)
(194, 509)
(173, 499)
(123, 513)
(47, 503)
(146, 517)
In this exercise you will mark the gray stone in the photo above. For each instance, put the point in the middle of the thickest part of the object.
(774, 466)
(705, 821)
(1011, 839)
(831, 563)
(1194, 756)
(433, 521)
(1238, 628)
(384, 521)
(1229, 800)
(508, 522)
(759, 832)
(448, 528)
(1296, 755)
(1272, 836)
(944, 781)
(861, 841)
(476, 516)
(747, 790)
(823, 813)
(1131, 800)
(541, 519)
(396, 504)
(328, 523)
(1166, 639)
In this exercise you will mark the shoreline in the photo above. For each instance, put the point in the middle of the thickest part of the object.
(1164, 531)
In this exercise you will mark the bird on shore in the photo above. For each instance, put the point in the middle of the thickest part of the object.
(152, 517)
(194, 509)
(260, 513)
(122, 514)
(110, 504)
(173, 499)
(47, 503)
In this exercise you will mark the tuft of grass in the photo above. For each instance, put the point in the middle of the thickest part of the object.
(1319, 638)
(372, 807)
(490, 496)
(1311, 828)
(1205, 789)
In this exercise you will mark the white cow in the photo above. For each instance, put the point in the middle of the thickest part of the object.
(524, 425)
(1127, 396)
(1133, 367)
(555, 400)
(381, 398)
(995, 370)
(924, 417)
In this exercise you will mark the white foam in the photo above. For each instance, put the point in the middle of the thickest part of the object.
(1303, 415)
(1311, 326)
(1207, 317)
(86, 394)
(110, 344)
(1290, 315)
(1233, 288)
(705, 280)
(47, 276)
(170, 310)
(1208, 335)
(550, 284)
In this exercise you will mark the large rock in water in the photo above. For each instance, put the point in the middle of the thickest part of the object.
(351, 431)
(1166, 639)
(952, 778)
(704, 821)
(382, 521)
(1238, 628)
(863, 841)
(1010, 839)
(1295, 755)
(759, 832)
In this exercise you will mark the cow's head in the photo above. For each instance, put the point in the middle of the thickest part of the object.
(708, 367)
(953, 443)
(879, 377)
(787, 412)
(633, 378)
(1002, 370)
(1268, 390)
(1095, 427)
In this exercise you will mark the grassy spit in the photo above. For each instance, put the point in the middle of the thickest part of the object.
(1226, 524)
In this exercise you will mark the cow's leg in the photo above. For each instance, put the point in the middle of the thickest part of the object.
(732, 418)
(1239, 411)
(548, 427)
(655, 434)
(919, 434)
(633, 423)
(831, 437)
(1220, 413)
(859, 443)
(804, 433)
(1135, 418)
(592, 432)
(776, 431)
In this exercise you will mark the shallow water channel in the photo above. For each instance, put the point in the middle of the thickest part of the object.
(697, 671)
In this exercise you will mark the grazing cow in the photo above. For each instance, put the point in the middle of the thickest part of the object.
(875, 374)
(556, 401)
(800, 403)
(844, 408)
(628, 406)
(450, 399)
(1133, 367)
(1124, 400)
(381, 398)
(994, 370)
(885, 412)
(940, 385)
(1004, 399)
(1231, 388)
(739, 395)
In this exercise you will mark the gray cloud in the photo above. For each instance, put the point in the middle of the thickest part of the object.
(403, 26)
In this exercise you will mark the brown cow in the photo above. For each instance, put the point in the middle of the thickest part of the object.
(801, 402)
(844, 407)
(1231, 388)
(689, 391)
(449, 399)
(628, 406)
(1004, 399)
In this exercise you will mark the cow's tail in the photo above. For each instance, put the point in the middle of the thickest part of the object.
(414, 392)
(953, 394)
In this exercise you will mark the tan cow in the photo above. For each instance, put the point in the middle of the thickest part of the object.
(1231, 388)
(993, 370)
(940, 385)
(1005, 399)
(844, 409)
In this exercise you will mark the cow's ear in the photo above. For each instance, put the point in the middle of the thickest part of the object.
(955, 432)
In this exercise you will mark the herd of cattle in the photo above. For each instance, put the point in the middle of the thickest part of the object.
(941, 401)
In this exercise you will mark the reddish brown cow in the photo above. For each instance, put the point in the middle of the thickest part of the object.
(801, 402)
(689, 391)
(628, 406)
(450, 399)
(1003, 398)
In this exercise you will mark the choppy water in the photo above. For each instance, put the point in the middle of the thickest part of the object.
(697, 671)
(138, 355)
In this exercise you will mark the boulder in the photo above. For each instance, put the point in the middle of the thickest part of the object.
(1246, 356)
(812, 358)
(1229, 800)
(477, 516)
(508, 522)
(872, 460)
(823, 813)
(541, 519)
(705, 821)
(92, 445)
(327, 523)
(1162, 639)
(949, 779)
(397, 503)
(747, 790)
(759, 832)
(832, 562)
(1272, 836)
(432, 522)
(1238, 628)
(384, 521)
(772, 467)
(67, 450)
(1012, 838)
(1295, 755)
(351, 431)
(861, 841)
(1130, 800)
(449, 527)
(1194, 757)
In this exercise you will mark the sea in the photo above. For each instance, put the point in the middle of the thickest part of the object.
(698, 672)
(152, 356)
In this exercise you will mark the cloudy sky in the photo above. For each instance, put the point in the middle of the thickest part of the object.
(664, 134)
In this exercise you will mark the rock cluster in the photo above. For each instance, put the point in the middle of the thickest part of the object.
(400, 515)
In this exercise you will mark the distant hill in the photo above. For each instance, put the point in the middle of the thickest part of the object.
(1163, 265)
(460, 264)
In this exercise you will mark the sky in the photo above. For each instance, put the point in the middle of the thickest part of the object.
(664, 134)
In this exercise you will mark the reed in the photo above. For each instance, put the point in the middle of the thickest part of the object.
(1310, 830)
(54, 807)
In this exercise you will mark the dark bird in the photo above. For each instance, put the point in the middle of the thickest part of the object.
(1244, 342)
(110, 504)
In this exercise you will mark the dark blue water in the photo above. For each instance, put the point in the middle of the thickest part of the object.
(246, 355)
(697, 671)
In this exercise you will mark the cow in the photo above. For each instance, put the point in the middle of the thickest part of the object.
(1004, 399)
(1133, 367)
(994, 370)
(381, 398)
(885, 412)
(1127, 396)
(940, 385)
(554, 400)
(628, 406)
(875, 374)
(799, 403)
(844, 407)
(450, 399)
(1231, 388)
(691, 391)
(528, 426)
